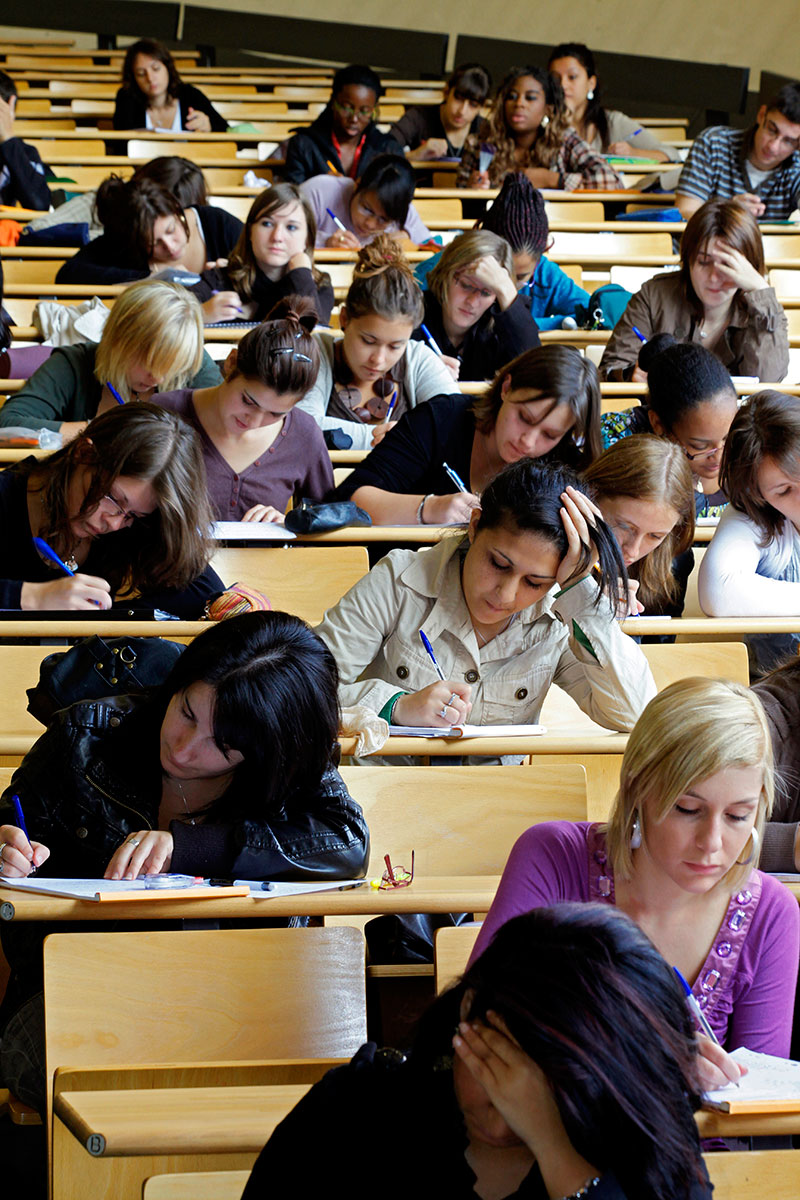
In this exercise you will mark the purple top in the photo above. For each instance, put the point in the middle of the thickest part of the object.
(335, 192)
(297, 463)
(746, 985)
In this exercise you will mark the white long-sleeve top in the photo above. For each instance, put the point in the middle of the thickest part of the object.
(740, 578)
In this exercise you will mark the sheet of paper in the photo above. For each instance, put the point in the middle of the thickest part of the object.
(471, 731)
(300, 889)
(251, 531)
(768, 1078)
(119, 889)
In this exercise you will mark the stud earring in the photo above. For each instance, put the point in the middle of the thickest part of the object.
(590, 94)
(636, 833)
(545, 121)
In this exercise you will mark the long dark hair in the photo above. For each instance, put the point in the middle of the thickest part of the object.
(561, 374)
(153, 49)
(128, 212)
(592, 1002)
(526, 497)
(171, 547)
(595, 112)
(766, 426)
(242, 265)
(276, 702)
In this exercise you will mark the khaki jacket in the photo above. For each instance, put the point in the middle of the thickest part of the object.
(756, 341)
(373, 633)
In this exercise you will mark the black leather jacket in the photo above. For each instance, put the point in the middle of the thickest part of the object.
(94, 777)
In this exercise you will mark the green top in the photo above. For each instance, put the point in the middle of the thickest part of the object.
(64, 389)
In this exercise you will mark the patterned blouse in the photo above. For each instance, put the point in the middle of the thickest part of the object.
(577, 165)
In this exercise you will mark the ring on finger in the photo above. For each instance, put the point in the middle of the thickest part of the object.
(133, 842)
(443, 711)
(450, 701)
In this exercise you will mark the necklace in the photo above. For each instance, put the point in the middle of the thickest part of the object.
(179, 786)
(483, 640)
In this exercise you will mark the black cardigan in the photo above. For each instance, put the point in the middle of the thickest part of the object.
(310, 150)
(23, 178)
(267, 292)
(102, 261)
(131, 106)
(496, 338)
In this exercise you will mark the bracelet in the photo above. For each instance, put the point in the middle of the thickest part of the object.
(589, 1186)
(419, 516)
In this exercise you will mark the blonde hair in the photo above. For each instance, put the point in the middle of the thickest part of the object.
(156, 324)
(690, 731)
(646, 467)
(463, 250)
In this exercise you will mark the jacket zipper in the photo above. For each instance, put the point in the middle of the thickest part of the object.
(114, 800)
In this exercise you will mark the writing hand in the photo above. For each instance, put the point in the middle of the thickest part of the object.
(225, 306)
(19, 856)
(453, 365)
(145, 853)
(426, 707)
(379, 432)
(198, 122)
(455, 509)
(264, 512)
(343, 239)
(77, 592)
(715, 1067)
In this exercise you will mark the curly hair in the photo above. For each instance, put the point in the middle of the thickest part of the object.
(548, 137)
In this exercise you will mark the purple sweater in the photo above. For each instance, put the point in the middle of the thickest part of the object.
(297, 463)
(746, 985)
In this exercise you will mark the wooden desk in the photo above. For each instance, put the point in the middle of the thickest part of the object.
(440, 893)
(202, 1120)
(711, 626)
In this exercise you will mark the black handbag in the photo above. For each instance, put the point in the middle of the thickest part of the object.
(94, 668)
(309, 517)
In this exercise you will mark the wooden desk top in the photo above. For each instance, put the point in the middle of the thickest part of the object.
(202, 1120)
(441, 893)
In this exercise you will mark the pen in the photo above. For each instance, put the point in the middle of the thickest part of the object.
(698, 1013)
(392, 403)
(456, 479)
(431, 655)
(431, 340)
(114, 392)
(348, 887)
(336, 221)
(21, 823)
(43, 548)
(335, 172)
(639, 334)
(216, 293)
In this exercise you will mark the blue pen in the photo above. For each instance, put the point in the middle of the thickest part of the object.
(114, 393)
(639, 334)
(431, 655)
(431, 340)
(48, 552)
(21, 822)
(698, 1013)
(336, 221)
(392, 403)
(456, 479)
(216, 293)
(636, 131)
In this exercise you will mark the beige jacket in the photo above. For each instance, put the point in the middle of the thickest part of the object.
(373, 633)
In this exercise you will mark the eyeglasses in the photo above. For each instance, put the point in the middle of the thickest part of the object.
(394, 877)
(470, 290)
(115, 509)
(717, 448)
(347, 110)
(367, 212)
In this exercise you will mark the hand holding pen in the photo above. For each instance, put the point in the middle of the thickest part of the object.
(444, 703)
(73, 591)
(453, 509)
(715, 1068)
(19, 856)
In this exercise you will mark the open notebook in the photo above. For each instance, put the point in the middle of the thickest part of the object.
(770, 1085)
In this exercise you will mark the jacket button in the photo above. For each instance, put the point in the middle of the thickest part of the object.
(472, 675)
(521, 693)
(114, 722)
(82, 831)
(402, 672)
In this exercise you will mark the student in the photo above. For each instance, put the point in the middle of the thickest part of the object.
(509, 609)
(177, 175)
(759, 166)
(528, 130)
(153, 95)
(434, 131)
(752, 565)
(124, 507)
(495, 1096)
(472, 308)
(643, 487)
(378, 202)
(198, 777)
(678, 855)
(544, 403)
(375, 365)
(691, 401)
(147, 230)
(152, 340)
(518, 216)
(605, 130)
(259, 453)
(719, 298)
(22, 172)
(273, 258)
(344, 138)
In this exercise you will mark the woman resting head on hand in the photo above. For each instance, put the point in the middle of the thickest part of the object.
(571, 1073)
(679, 856)
(643, 487)
(123, 505)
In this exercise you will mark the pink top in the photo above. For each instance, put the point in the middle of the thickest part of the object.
(746, 985)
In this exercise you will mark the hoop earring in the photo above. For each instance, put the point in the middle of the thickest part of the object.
(636, 833)
(740, 862)
(590, 94)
